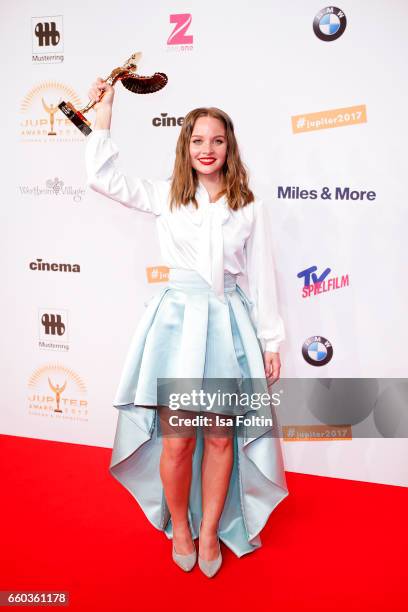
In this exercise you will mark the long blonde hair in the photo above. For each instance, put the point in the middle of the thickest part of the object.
(184, 179)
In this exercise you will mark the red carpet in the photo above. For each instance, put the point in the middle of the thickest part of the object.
(68, 525)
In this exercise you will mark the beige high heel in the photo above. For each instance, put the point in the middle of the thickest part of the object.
(186, 562)
(210, 568)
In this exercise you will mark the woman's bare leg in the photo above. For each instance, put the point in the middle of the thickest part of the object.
(217, 463)
(176, 473)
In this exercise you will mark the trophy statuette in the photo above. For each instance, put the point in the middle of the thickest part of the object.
(129, 78)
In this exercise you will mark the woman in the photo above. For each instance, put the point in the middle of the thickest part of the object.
(210, 481)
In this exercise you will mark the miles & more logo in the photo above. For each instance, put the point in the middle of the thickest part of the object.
(292, 192)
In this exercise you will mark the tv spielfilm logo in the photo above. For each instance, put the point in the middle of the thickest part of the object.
(329, 23)
(42, 119)
(47, 38)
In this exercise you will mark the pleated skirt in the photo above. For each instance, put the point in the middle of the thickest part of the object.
(186, 333)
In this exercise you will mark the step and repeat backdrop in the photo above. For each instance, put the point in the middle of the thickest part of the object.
(318, 96)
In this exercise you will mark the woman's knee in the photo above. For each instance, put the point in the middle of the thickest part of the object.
(178, 449)
(218, 444)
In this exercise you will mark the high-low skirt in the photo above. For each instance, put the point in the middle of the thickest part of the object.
(187, 333)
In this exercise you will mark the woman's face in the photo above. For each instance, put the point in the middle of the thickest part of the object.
(208, 146)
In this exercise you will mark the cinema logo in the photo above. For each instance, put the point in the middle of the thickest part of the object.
(336, 117)
(44, 266)
(42, 120)
(179, 40)
(53, 329)
(47, 39)
(57, 392)
(53, 187)
(317, 284)
(165, 121)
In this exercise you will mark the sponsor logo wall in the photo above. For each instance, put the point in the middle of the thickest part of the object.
(79, 269)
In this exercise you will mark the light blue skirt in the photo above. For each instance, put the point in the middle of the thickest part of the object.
(186, 332)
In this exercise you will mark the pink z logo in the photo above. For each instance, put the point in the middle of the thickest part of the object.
(178, 36)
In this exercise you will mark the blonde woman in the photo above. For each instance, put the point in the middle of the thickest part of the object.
(216, 478)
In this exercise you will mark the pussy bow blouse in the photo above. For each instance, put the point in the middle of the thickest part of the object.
(210, 239)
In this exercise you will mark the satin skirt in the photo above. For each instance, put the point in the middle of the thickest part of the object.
(187, 332)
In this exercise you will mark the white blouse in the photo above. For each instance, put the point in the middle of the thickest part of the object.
(210, 239)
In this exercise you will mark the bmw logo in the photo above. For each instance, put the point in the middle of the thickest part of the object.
(317, 351)
(329, 23)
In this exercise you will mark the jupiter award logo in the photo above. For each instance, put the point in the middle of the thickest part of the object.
(57, 392)
(42, 120)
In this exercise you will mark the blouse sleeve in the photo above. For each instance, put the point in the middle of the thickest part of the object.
(260, 267)
(105, 177)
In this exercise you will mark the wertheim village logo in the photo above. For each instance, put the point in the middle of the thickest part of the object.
(47, 39)
(316, 284)
(57, 392)
(179, 40)
(42, 120)
(53, 187)
(329, 23)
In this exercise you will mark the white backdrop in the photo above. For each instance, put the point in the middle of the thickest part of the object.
(263, 64)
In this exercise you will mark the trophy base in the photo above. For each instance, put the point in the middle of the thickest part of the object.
(76, 117)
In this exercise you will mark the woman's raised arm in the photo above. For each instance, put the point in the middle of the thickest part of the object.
(103, 175)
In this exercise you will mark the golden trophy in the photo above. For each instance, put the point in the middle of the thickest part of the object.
(132, 81)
